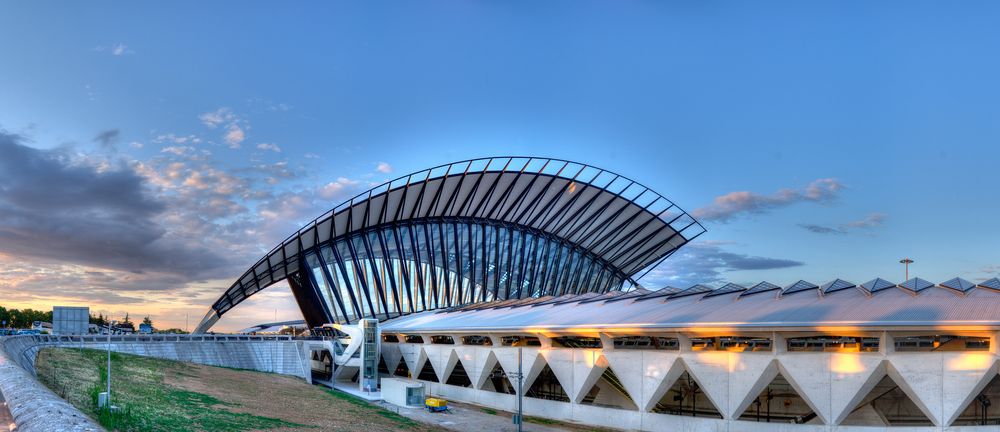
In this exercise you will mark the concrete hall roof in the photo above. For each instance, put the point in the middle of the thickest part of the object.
(800, 305)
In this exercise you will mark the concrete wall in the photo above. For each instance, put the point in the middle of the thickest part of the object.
(941, 384)
(34, 407)
(281, 355)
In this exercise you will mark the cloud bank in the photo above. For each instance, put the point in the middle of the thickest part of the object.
(730, 206)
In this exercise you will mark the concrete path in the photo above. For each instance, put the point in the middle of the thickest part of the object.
(471, 418)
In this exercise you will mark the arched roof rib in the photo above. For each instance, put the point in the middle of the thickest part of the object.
(615, 220)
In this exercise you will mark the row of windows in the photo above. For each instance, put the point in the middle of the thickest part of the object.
(729, 343)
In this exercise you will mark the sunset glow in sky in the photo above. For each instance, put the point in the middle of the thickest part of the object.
(150, 153)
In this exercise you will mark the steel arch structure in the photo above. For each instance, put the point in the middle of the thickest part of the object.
(468, 232)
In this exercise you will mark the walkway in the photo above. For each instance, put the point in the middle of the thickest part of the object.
(472, 418)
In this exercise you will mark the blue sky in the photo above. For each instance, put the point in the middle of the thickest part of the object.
(860, 132)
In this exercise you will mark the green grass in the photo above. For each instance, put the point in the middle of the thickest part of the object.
(541, 421)
(490, 411)
(145, 401)
(399, 420)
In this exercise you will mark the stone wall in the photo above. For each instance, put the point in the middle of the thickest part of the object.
(35, 408)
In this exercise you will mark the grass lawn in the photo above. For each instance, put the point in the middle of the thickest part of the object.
(164, 395)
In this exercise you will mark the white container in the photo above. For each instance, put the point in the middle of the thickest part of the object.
(403, 392)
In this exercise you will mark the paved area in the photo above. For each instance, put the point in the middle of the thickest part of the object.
(472, 418)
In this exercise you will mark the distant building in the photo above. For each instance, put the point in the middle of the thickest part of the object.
(70, 320)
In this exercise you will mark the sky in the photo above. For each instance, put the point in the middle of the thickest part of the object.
(151, 152)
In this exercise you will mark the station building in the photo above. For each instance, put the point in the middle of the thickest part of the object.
(445, 276)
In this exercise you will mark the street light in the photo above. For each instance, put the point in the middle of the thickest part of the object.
(906, 262)
(107, 397)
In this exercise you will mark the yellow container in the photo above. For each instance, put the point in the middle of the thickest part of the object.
(435, 402)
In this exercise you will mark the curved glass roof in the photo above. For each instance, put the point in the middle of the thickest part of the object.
(605, 218)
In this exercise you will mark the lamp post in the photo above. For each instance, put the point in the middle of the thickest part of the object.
(110, 326)
(906, 263)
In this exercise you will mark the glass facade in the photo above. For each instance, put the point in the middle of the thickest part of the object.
(395, 270)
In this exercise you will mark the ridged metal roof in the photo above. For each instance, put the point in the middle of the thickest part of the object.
(916, 304)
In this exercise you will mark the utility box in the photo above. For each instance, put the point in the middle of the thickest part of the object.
(403, 392)
(70, 320)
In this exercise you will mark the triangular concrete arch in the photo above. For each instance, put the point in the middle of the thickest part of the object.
(809, 376)
(414, 356)
(478, 362)
(659, 371)
(752, 388)
(919, 376)
(576, 369)
(443, 358)
(392, 356)
(711, 371)
(532, 364)
(852, 376)
(586, 372)
(969, 374)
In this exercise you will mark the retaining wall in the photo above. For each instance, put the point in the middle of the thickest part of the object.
(36, 408)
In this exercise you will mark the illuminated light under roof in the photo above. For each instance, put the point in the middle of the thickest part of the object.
(759, 288)
(877, 284)
(993, 284)
(959, 284)
(799, 287)
(916, 284)
(728, 288)
(836, 285)
(694, 290)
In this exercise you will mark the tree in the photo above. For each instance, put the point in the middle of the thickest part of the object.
(147, 321)
(126, 323)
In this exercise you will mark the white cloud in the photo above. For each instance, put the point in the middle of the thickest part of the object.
(337, 189)
(136, 144)
(311, 156)
(384, 168)
(269, 147)
(178, 150)
(234, 136)
(120, 49)
(731, 205)
(177, 139)
(215, 118)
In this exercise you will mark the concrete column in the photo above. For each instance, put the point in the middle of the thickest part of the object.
(683, 343)
(778, 343)
(544, 340)
(886, 343)
(607, 342)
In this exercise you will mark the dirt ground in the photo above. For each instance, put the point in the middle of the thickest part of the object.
(291, 400)
(167, 396)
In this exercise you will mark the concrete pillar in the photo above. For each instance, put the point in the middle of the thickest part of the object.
(607, 342)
